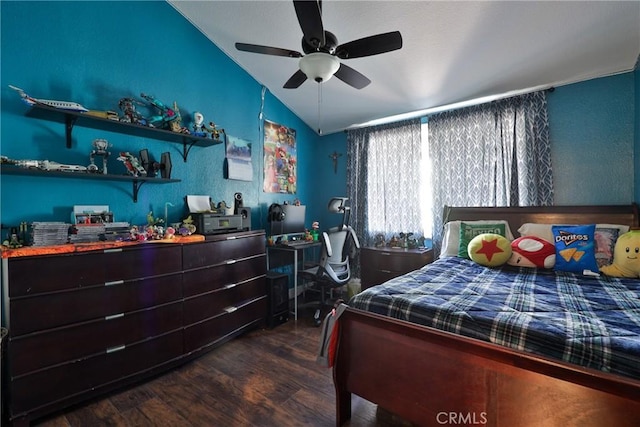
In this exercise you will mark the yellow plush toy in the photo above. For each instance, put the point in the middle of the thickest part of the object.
(626, 256)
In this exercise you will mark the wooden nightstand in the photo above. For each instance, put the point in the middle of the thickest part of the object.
(378, 265)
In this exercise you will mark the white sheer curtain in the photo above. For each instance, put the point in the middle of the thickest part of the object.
(384, 179)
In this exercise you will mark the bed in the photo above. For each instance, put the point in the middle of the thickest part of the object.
(446, 375)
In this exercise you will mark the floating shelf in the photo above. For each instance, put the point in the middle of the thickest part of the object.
(72, 118)
(137, 181)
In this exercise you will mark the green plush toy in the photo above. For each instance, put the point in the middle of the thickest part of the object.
(626, 256)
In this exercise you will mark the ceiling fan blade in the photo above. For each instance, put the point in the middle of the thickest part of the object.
(372, 45)
(310, 18)
(351, 77)
(267, 50)
(296, 80)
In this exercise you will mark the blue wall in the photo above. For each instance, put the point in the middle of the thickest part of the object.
(95, 53)
(591, 127)
(636, 150)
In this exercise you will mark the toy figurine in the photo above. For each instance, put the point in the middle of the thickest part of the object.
(176, 124)
(187, 228)
(198, 125)
(99, 149)
(214, 131)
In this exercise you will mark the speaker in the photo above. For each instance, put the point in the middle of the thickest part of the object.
(278, 294)
(237, 203)
(245, 213)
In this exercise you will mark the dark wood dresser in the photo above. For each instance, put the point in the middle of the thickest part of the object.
(377, 265)
(85, 323)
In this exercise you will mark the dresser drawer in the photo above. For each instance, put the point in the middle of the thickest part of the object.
(73, 378)
(219, 252)
(35, 351)
(37, 274)
(210, 278)
(67, 307)
(401, 262)
(140, 262)
(214, 330)
(381, 264)
(214, 303)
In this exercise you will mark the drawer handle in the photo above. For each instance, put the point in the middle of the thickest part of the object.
(385, 253)
(230, 309)
(115, 282)
(113, 316)
(116, 348)
(231, 261)
(232, 237)
(386, 271)
(230, 285)
(110, 251)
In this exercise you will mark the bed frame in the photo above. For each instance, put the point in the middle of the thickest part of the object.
(430, 377)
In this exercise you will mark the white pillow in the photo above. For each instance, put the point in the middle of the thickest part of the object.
(543, 231)
(451, 235)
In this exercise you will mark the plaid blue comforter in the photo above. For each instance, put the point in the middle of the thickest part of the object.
(588, 321)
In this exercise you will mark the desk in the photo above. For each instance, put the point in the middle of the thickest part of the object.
(295, 251)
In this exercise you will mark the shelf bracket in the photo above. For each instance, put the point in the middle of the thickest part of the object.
(186, 147)
(136, 187)
(69, 121)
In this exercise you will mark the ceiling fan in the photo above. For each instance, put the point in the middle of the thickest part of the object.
(322, 52)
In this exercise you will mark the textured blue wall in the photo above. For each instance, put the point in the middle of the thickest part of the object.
(329, 183)
(636, 150)
(95, 53)
(591, 126)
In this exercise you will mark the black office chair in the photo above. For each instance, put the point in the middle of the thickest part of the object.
(339, 246)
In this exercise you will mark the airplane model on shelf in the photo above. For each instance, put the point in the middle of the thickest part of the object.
(63, 105)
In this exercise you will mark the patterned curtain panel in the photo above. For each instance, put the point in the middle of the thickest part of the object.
(495, 154)
(383, 179)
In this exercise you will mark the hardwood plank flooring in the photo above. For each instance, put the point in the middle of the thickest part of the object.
(267, 377)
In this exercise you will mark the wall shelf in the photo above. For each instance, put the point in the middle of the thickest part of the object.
(136, 181)
(72, 118)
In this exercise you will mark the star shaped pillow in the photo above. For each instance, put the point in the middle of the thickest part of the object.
(490, 250)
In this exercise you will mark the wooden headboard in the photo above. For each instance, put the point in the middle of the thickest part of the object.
(594, 214)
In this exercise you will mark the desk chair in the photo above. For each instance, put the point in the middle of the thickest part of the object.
(339, 245)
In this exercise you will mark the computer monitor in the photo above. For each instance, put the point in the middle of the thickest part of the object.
(292, 221)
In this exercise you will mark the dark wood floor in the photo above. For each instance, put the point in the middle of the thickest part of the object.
(263, 378)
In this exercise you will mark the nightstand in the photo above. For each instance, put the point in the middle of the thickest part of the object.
(377, 265)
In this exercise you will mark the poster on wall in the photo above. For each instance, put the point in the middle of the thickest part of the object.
(280, 159)
(238, 153)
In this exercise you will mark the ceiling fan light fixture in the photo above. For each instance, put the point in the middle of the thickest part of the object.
(319, 66)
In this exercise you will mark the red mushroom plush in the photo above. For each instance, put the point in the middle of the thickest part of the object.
(531, 251)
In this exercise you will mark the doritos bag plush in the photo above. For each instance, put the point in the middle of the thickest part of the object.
(575, 248)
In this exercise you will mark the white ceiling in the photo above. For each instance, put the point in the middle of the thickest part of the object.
(452, 51)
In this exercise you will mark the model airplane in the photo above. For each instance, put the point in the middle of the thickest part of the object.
(63, 105)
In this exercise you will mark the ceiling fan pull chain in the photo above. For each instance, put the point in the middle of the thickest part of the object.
(319, 108)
